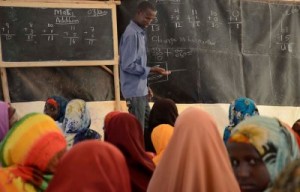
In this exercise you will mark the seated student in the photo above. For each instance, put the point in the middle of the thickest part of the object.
(163, 111)
(125, 132)
(161, 136)
(107, 118)
(296, 127)
(195, 159)
(259, 149)
(289, 179)
(8, 117)
(77, 123)
(91, 166)
(55, 107)
(29, 154)
(239, 109)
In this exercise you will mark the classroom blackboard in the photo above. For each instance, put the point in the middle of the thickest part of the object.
(55, 34)
(199, 41)
(219, 50)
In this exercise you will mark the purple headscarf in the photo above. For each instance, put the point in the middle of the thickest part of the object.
(4, 119)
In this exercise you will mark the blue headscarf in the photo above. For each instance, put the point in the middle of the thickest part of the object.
(239, 110)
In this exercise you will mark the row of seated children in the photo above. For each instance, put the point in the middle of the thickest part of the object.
(190, 154)
(73, 117)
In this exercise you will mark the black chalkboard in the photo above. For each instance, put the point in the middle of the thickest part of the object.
(199, 41)
(54, 34)
(219, 50)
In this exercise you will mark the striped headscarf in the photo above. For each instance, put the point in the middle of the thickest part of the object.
(26, 152)
(275, 144)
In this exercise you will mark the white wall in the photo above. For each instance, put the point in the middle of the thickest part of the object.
(98, 110)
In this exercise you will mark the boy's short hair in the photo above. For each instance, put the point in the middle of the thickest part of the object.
(144, 5)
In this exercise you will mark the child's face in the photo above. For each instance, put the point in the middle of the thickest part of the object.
(51, 110)
(248, 166)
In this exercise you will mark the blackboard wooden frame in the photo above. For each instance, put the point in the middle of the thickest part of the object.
(76, 4)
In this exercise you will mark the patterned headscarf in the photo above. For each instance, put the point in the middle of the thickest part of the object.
(289, 179)
(276, 144)
(77, 123)
(161, 136)
(4, 119)
(91, 166)
(26, 151)
(239, 109)
(62, 103)
(77, 116)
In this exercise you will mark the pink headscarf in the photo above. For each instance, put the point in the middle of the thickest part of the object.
(4, 119)
(195, 159)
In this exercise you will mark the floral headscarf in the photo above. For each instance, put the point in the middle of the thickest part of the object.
(77, 116)
(239, 109)
(77, 123)
(276, 144)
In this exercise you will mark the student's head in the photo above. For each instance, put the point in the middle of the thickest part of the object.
(296, 127)
(42, 144)
(164, 111)
(145, 13)
(8, 117)
(259, 149)
(77, 117)
(101, 164)
(55, 107)
(241, 109)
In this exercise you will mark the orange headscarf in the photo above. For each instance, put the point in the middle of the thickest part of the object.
(161, 136)
(195, 159)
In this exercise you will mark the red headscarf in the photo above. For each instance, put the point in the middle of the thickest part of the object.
(91, 166)
(125, 132)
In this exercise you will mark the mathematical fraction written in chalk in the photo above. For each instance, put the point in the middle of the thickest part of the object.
(5, 31)
(162, 53)
(49, 32)
(29, 32)
(90, 36)
(213, 19)
(283, 39)
(71, 35)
